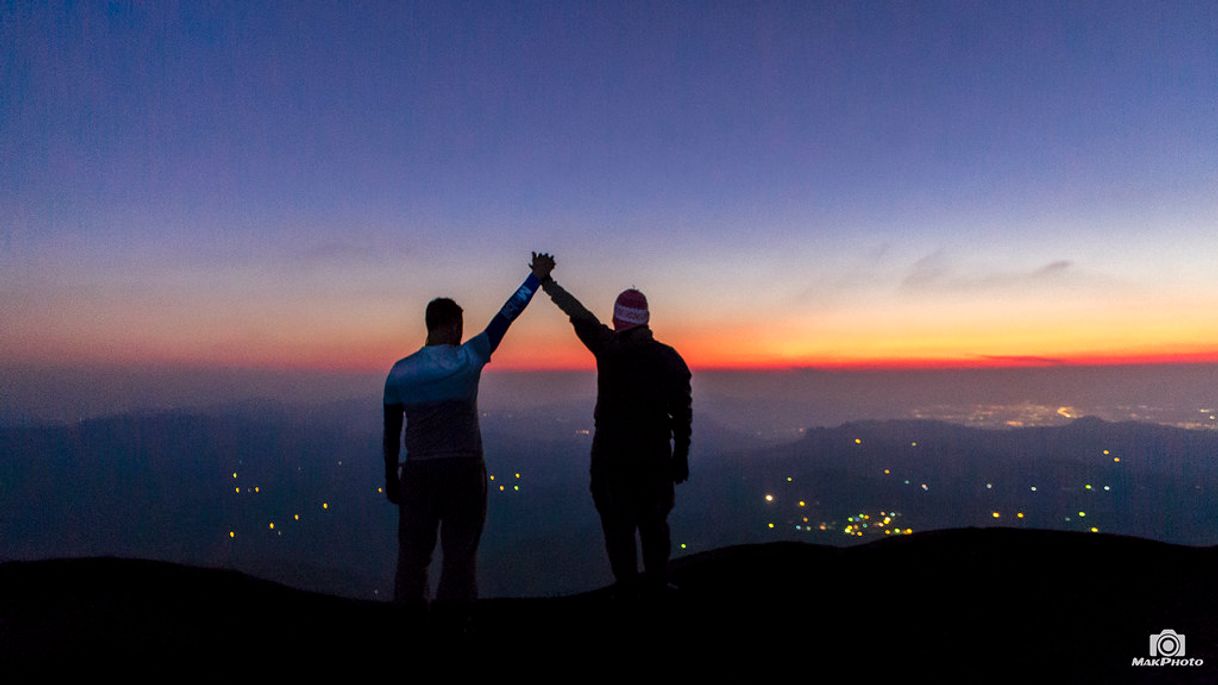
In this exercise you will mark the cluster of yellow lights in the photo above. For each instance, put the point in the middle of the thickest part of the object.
(325, 505)
(270, 526)
(803, 503)
(857, 524)
(858, 441)
(503, 488)
(897, 531)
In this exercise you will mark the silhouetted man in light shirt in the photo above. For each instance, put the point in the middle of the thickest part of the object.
(443, 479)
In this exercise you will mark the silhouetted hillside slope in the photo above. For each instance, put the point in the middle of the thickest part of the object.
(972, 603)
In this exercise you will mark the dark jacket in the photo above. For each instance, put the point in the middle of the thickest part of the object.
(644, 406)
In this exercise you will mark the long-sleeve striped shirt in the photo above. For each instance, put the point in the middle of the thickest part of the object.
(436, 388)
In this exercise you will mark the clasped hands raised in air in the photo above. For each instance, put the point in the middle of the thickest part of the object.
(639, 451)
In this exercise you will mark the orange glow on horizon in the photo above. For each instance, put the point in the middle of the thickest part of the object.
(550, 346)
(574, 358)
(584, 362)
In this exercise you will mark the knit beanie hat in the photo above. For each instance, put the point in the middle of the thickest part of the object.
(630, 310)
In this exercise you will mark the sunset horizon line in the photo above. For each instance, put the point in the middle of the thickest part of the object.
(976, 362)
(933, 364)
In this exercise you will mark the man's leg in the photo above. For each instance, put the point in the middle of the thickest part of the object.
(613, 504)
(657, 495)
(462, 519)
(417, 521)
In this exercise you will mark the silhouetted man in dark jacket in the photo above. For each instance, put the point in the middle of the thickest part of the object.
(643, 422)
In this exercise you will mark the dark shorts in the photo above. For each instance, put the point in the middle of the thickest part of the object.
(445, 496)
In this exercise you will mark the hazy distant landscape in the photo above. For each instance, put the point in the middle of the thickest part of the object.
(830, 458)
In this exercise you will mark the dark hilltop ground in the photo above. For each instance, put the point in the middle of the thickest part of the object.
(970, 604)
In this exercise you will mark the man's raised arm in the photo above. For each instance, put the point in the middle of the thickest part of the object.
(567, 302)
(515, 304)
(591, 332)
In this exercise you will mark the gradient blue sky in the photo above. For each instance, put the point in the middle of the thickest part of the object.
(791, 183)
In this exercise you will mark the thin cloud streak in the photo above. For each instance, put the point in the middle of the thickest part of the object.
(935, 272)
